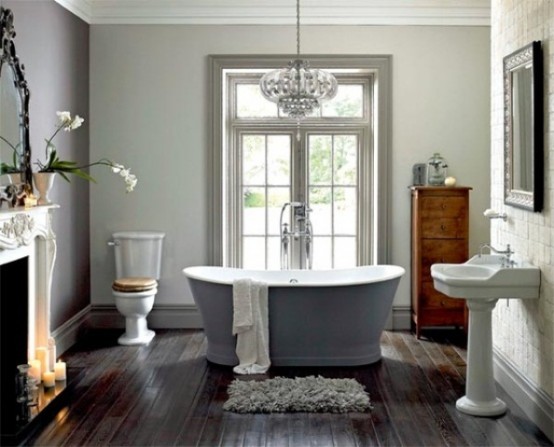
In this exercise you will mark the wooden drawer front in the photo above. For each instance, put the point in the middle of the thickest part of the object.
(444, 228)
(433, 299)
(443, 207)
(442, 251)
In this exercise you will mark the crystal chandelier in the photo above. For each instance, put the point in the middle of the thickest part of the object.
(297, 89)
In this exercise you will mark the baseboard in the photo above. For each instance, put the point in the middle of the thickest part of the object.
(187, 316)
(401, 318)
(184, 316)
(69, 332)
(175, 317)
(536, 404)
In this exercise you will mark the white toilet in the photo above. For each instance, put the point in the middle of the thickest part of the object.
(138, 259)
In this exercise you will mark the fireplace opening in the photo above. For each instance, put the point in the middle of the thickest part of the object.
(14, 330)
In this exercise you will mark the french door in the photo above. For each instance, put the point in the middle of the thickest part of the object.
(320, 167)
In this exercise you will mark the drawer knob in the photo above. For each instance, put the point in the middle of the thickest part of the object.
(443, 227)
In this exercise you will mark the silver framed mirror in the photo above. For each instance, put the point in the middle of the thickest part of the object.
(523, 128)
(15, 150)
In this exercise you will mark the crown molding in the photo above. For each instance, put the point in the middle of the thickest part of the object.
(281, 12)
(81, 8)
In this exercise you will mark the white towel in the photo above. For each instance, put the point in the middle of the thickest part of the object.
(242, 305)
(252, 340)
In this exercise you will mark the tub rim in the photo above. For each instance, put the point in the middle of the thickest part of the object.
(389, 272)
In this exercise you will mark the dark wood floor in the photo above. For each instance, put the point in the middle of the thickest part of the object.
(168, 394)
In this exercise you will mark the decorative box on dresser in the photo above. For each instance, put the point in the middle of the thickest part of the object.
(440, 234)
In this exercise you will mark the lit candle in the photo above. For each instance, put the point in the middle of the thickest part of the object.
(41, 353)
(30, 201)
(51, 353)
(49, 379)
(35, 370)
(60, 370)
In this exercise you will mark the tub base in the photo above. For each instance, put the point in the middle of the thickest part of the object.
(317, 321)
(224, 355)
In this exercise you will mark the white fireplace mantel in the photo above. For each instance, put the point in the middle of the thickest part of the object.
(27, 232)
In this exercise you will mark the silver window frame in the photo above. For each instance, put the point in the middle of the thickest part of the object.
(375, 196)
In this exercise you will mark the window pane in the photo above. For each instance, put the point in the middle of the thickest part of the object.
(253, 160)
(252, 104)
(347, 103)
(253, 217)
(345, 252)
(276, 198)
(320, 161)
(322, 253)
(346, 159)
(278, 159)
(320, 203)
(253, 253)
(273, 253)
(345, 211)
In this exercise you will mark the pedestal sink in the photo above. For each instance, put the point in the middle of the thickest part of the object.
(482, 281)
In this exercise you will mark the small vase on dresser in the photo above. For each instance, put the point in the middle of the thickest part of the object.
(43, 183)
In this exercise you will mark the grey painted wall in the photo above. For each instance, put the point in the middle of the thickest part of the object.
(148, 110)
(149, 89)
(53, 44)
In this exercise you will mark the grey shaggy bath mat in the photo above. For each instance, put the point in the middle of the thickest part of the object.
(302, 394)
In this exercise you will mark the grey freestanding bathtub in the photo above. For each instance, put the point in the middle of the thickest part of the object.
(316, 317)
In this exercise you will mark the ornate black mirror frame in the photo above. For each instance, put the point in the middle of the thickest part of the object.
(8, 56)
(530, 195)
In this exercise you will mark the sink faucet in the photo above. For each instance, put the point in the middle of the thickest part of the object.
(506, 260)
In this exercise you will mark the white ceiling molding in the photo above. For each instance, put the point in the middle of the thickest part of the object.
(81, 8)
(279, 12)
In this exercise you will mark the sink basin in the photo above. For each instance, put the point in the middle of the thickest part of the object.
(469, 271)
(484, 276)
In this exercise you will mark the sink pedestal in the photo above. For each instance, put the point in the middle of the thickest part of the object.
(480, 398)
(481, 281)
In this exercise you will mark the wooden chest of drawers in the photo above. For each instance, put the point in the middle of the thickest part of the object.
(440, 230)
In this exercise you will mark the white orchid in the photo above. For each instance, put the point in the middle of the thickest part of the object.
(131, 181)
(64, 117)
(76, 123)
(67, 123)
(54, 164)
(116, 168)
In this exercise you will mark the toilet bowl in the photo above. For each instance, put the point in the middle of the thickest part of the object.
(138, 265)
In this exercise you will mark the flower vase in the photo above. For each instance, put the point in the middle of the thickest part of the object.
(43, 183)
(16, 178)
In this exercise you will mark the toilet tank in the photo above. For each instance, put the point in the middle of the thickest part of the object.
(138, 253)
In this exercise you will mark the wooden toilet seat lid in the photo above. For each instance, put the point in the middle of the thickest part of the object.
(136, 284)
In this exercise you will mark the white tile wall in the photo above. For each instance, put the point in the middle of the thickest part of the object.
(523, 330)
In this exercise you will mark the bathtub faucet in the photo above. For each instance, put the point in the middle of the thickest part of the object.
(297, 238)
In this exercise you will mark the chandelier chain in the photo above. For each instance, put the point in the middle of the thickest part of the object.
(298, 28)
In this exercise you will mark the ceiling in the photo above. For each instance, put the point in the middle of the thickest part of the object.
(278, 12)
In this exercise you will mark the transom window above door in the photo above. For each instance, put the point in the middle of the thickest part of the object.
(250, 103)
